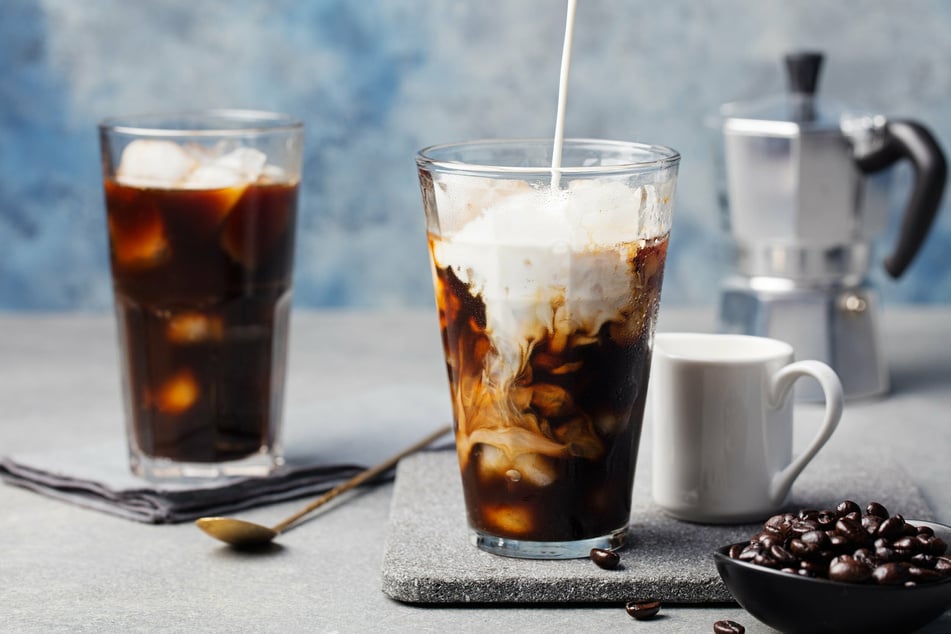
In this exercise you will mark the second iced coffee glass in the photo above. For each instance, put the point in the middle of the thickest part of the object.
(201, 210)
(547, 286)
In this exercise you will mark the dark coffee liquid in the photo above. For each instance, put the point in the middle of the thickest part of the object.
(550, 455)
(202, 283)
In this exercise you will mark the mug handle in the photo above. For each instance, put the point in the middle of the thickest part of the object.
(779, 389)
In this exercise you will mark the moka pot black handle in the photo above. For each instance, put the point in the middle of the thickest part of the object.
(912, 141)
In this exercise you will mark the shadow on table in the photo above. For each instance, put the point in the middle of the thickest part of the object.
(275, 548)
(231, 552)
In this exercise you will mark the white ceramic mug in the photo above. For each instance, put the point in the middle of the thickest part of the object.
(723, 424)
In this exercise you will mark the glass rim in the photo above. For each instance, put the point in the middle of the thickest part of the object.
(159, 124)
(660, 157)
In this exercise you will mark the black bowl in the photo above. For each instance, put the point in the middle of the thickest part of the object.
(791, 603)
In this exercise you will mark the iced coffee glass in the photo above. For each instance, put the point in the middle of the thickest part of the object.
(201, 210)
(547, 286)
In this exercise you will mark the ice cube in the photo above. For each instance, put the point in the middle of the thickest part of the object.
(552, 400)
(509, 520)
(238, 167)
(513, 441)
(154, 163)
(212, 177)
(136, 231)
(254, 228)
(536, 469)
(581, 438)
(608, 424)
(178, 393)
(193, 327)
(492, 463)
(245, 160)
(273, 174)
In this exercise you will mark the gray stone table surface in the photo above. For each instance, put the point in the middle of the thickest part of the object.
(64, 568)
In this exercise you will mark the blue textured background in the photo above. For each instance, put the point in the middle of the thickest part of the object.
(376, 80)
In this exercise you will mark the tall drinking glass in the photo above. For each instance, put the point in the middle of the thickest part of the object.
(547, 286)
(201, 210)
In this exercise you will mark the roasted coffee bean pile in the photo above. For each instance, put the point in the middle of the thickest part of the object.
(846, 545)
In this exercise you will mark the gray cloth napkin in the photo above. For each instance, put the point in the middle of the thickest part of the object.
(325, 444)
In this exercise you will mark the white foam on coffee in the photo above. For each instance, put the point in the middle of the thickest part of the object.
(168, 165)
(546, 260)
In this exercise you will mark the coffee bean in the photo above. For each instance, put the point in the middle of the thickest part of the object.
(819, 568)
(768, 540)
(728, 627)
(846, 507)
(852, 530)
(839, 542)
(937, 546)
(781, 555)
(750, 552)
(908, 529)
(906, 545)
(846, 568)
(820, 539)
(826, 520)
(643, 609)
(884, 554)
(876, 510)
(607, 559)
(892, 574)
(925, 530)
(924, 574)
(864, 556)
(778, 524)
(801, 549)
(798, 527)
(943, 564)
(892, 527)
(735, 551)
(871, 523)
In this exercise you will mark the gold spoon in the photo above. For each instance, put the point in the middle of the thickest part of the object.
(242, 533)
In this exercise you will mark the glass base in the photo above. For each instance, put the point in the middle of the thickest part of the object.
(165, 470)
(524, 549)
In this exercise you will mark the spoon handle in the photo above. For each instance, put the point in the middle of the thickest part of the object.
(359, 479)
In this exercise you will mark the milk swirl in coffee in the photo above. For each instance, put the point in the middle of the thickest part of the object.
(547, 299)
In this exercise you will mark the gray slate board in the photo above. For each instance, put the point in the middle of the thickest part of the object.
(427, 557)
